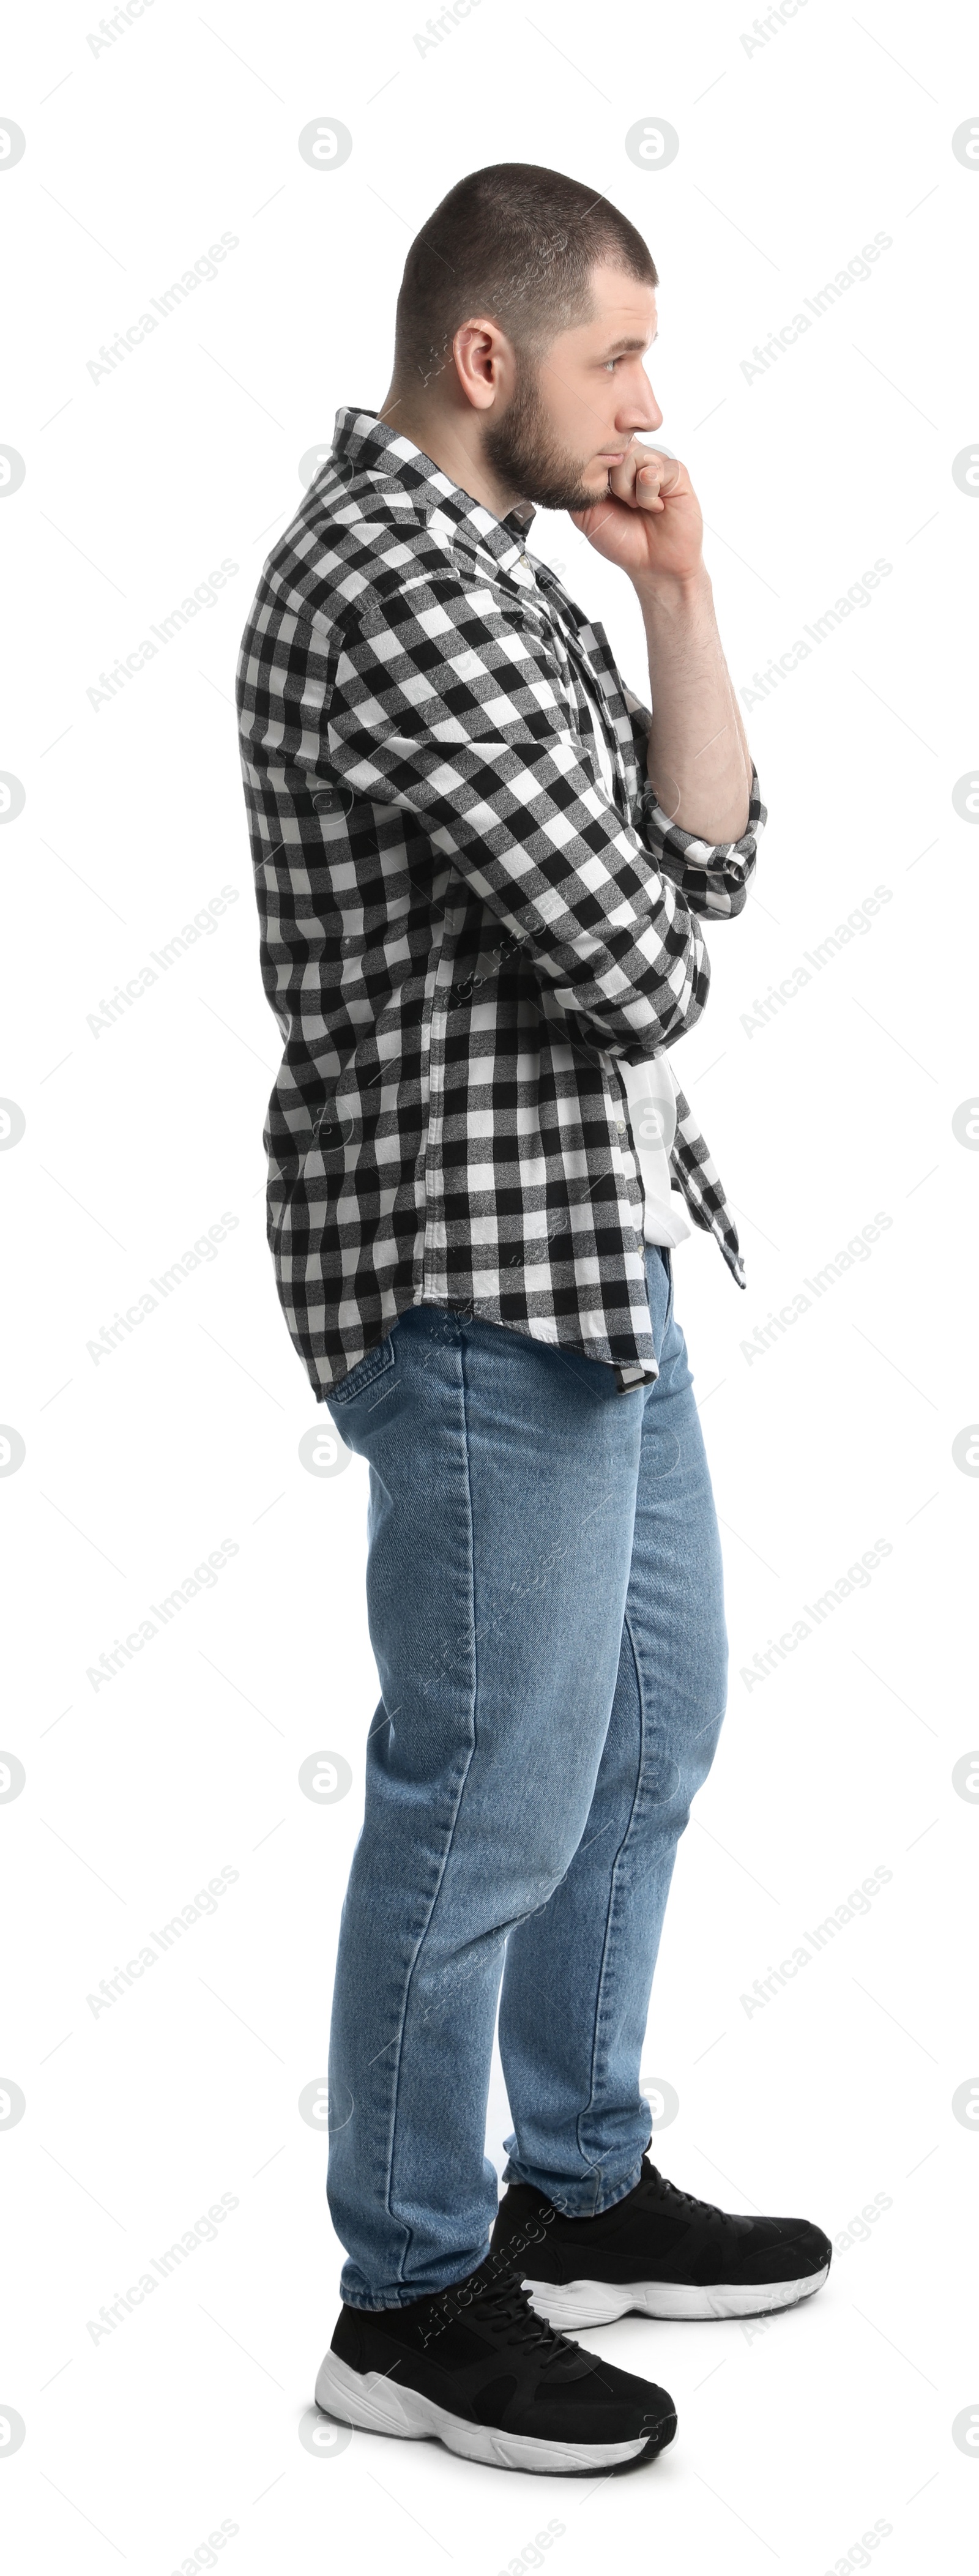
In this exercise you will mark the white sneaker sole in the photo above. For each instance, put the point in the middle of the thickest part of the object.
(598, 2303)
(372, 2402)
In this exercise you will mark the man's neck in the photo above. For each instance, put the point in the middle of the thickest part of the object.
(454, 447)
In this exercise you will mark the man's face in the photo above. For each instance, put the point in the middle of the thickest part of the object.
(574, 411)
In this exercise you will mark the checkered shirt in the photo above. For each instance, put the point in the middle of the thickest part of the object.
(462, 937)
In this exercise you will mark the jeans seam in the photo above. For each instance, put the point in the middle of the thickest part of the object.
(607, 1936)
(423, 1935)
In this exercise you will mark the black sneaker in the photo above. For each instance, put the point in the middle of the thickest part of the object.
(473, 2367)
(661, 2252)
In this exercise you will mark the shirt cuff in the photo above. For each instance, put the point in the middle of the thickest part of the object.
(712, 876)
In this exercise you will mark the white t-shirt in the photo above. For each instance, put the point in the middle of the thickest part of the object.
(651, 1095)
(652, 1117)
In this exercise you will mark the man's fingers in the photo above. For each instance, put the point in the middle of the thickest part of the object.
(648, 489)
(638, 488)
(644, 478)
(622, 478)
(669, 468)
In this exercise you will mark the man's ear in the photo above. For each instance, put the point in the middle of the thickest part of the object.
(484, 365)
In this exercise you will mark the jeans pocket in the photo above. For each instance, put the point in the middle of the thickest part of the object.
(372, 1366)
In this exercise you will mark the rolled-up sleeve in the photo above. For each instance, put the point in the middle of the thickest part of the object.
(712, 876)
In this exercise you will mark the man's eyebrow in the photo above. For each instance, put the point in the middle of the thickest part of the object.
(618, 348)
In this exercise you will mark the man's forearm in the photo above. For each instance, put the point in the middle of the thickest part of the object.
(698, 760)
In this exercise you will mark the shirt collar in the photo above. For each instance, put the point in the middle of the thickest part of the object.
(366, 442)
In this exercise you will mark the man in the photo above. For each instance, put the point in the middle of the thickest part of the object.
(481, 869)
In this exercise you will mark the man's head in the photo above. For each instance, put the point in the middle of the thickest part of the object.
(526, 306)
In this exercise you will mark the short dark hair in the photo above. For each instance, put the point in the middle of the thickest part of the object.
(514, 242)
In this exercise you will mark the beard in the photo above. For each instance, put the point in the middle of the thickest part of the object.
(525, 455)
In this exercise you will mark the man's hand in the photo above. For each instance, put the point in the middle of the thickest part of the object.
(698, 759)
(650, 524)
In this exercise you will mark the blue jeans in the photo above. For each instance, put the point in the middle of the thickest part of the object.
(545, 1601)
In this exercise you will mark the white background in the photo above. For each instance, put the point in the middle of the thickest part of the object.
(797, 2437)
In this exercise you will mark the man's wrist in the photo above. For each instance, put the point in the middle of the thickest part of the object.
(675, 592)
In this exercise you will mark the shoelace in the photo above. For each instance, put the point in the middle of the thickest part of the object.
(653, 2175)
(506, 2303)
(510, 2306)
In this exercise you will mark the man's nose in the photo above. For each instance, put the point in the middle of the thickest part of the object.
(643, 412)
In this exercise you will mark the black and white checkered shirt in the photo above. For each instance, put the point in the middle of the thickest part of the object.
(462, 937)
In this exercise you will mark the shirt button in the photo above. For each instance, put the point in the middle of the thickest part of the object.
(620, 1130)
(325, 802)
